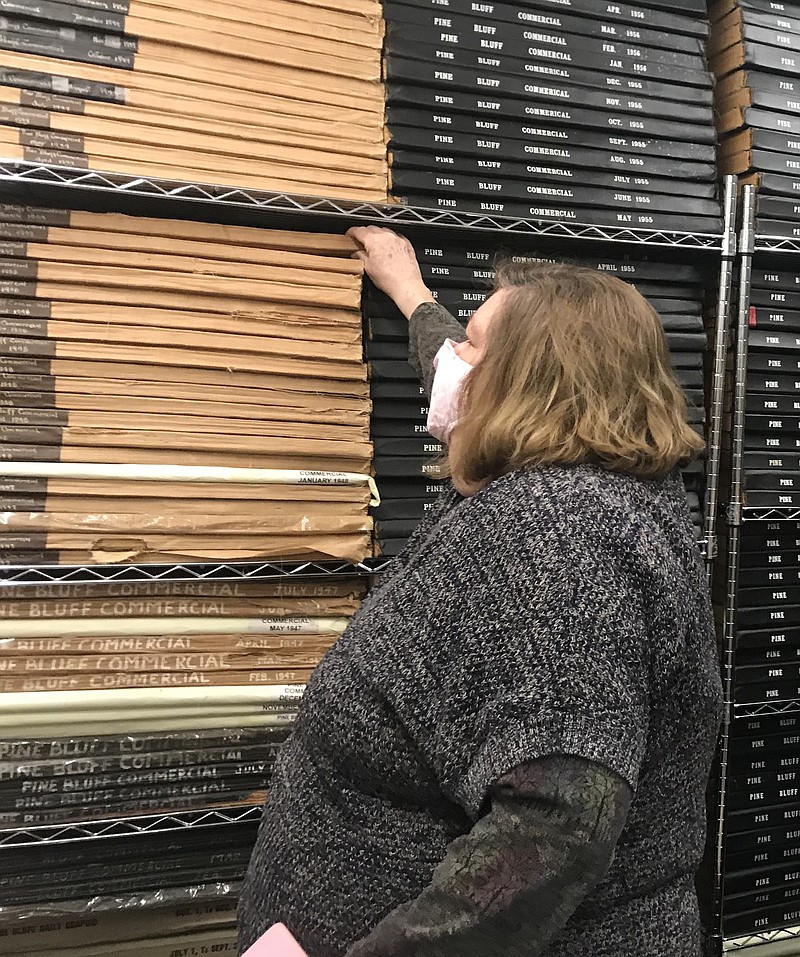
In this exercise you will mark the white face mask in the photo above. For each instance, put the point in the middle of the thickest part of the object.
(451, 370)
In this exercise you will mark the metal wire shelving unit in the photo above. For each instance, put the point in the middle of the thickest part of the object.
(769, 942)
(770, 514)
(734, 522)
(776, 244)
(209, 571)
(759, 709)
(30, 182)
(783, 941)
(728, 252)
(128, 827)
(38, 184)
(87, 189)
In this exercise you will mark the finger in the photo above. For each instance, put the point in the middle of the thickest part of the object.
(356, 233)
(370, 231)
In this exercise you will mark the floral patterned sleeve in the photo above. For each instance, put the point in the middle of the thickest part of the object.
(514, 881)
(430, 324)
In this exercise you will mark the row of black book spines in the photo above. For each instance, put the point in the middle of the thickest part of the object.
(502, 94)
(427, 34)
(759, 919)
(406, 435)
(386, 337)
(744, 822)
(463, 290)
(450, 260)
(131, 746)
(783, 297)
(774, 545)
(758, 665)
(66, 881)
(126, 877)
(401, 475)
(85, 777)
(398, 438)
(747, 914)
(414, 412)
(592, 18)
(680, 309)
(607, 215)
(539, 178)
(410, 509)
(761, 889)
(421, 479)
(778, 228)
(520, 186)
(688, 368)
(752, 656)
(544, 158)
(123, 787)
(776, 209)
(690, 16)
(507, 90)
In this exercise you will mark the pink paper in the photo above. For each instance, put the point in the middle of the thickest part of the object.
(277, 942)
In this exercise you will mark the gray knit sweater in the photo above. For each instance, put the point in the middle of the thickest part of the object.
(556, 612)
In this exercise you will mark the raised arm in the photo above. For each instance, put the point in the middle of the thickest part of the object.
(390, 262)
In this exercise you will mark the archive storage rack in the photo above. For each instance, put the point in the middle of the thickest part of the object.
(82, 189)
(757, 893)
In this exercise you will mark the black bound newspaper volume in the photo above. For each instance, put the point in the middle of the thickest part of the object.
(551, 144)
(521, 39)
(577, 17)
(611, 78)
(406, 182)
(550, 29)
(443, 118)
(489, 82)
(488, 108)
(688, 69)
(554, 212)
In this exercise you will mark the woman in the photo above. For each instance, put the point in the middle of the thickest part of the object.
(506, 753)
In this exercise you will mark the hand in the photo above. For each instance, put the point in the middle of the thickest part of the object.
(391, 263)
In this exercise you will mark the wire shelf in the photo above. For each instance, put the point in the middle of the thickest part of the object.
(770, 514)
(31, 182)
(760, 939)
(776, 244)
(128, 827)
(758, 709)
(211, 571)
(244, 571)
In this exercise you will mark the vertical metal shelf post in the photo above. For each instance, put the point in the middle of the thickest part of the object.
(746, 249)
(717, 397)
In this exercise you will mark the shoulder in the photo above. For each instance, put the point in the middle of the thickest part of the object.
(573, 515)
(581, 498)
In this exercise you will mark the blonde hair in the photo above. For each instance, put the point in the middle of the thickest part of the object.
(576, 370)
